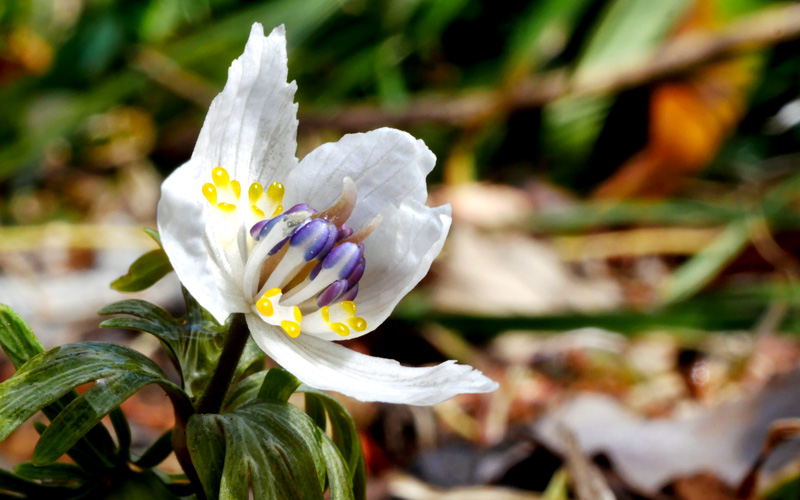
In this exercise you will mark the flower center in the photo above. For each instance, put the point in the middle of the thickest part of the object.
(303, 267)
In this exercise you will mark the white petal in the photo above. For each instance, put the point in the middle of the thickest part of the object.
(182, 226)
(387, 165)
(399, 254)
(251, 126)
(330, 366)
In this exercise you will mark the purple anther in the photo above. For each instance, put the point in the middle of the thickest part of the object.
(316, 238)
(344, 232)
(263, 227)
(350, 294)
(357, 273)
(300, 207)
(344, 258)
(331, 293)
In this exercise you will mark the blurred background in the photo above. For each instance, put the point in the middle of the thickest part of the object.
(624, 176)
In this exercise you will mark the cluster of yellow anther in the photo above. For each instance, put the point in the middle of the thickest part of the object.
(224, 193)
(265, 307)
(356, 323)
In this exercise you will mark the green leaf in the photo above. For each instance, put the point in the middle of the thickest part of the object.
(144, 272)
(278, 384)
(245, 390)
(123, 431)
(20, 344)
(118, 372)
(345, 434)
(154, 234)
(193, 342)
(16, 338)
(62, 473)
(274, 445)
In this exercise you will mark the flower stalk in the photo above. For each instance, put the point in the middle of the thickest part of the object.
(235, 341)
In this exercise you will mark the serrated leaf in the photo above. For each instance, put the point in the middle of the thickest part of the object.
(118, 372)
(274, 445)
(144, 272)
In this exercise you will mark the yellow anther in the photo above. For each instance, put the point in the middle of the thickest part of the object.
(255, 192)
(258, 212)
(272, 292)
(226, 207)
(298, 316)
(264, 306)
(277, 211)
(340, 329)
(210, 192)
(275, 192)
(220, 177)
(291, 328)
(326, 313)
(349, 306)
(357, 324)
(237, 188)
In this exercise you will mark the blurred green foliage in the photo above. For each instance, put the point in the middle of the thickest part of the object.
(67, 65)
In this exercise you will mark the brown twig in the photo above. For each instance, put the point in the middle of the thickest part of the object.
(677, 56)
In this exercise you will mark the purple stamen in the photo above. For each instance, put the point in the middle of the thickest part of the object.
(317, 238)
(262, 228)
(300, 207)
(345, 257)
(331, 293)
(357, 273)
(350, 294)
(344, 232)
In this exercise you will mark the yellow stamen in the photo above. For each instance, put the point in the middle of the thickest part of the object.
(226, 207)
(272, 292)
(264, 306)
(255, 192)
(237, 188)
(357, 324)
(220, 177)
(257, 212)
(326, 314)
(277, 211)
(210, 192)
(291, 328)
(349, 306)
(298, 316)
(340, 329)
(275, 192)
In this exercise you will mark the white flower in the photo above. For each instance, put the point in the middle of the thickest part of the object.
(311, 251)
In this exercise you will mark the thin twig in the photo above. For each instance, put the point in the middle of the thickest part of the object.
(684, 53)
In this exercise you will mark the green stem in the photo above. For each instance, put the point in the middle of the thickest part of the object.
(235, 341)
